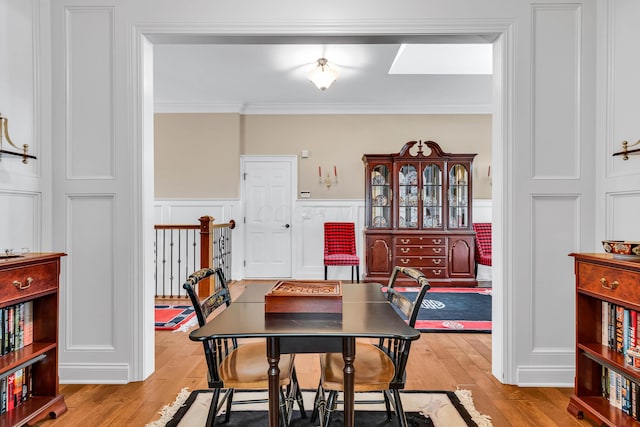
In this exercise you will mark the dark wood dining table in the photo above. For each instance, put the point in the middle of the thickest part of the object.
(365, 314)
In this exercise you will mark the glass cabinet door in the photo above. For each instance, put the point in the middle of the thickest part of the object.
(380, 196)
(432, 196)
(458, 196)
(408, 196)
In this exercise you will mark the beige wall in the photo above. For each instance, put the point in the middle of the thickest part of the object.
(197, 156)
(332, 140)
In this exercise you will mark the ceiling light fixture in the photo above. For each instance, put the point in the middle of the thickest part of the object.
(323, 75)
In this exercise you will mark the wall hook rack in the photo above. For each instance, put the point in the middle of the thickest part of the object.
(4, 123)
(625, 150)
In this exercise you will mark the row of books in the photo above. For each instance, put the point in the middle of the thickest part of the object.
(15, 389)
(619, 327)
(16, 327)
(621, 392)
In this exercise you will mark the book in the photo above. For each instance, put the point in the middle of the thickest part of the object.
(632, 327)
(2, 329)
(626, 321)
(3, 395)
(612, 387)
(17, 387)
(28, 323)
(605, 382)
(619, 328)
(634, 400)
(10, 383)
(20, 327)
(27, 383)
(625, 395)
(605, 323)
(612, 326)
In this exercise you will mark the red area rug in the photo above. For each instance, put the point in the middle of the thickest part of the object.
(172, 317)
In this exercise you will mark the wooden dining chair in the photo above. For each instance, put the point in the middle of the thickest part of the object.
(378, 367)
(340, 247)
(231, 366)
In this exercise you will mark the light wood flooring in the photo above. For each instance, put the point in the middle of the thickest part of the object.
(439, 361)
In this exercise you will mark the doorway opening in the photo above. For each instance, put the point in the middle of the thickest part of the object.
(498, 160)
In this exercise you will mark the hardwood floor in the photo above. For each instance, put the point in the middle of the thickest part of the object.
(439, 361)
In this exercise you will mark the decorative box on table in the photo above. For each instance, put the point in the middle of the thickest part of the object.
(304, 297)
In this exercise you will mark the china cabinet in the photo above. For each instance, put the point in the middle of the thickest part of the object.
(418, 214)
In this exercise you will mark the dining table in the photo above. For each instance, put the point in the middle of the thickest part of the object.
(366, 313)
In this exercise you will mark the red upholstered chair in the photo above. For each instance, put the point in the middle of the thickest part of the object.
(483, 243)
(340, 246)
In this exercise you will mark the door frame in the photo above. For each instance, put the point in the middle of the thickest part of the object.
(502, 351)
(293, 178)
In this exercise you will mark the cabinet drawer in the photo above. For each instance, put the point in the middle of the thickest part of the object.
(609, 282)
(434, 273)
(33, 279)
(419, 261)
(420, 250)
(420, 240)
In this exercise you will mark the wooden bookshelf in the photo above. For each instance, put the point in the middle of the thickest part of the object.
(615, 280)
(34, 278)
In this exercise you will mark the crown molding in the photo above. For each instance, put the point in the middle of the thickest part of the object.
(282, 108)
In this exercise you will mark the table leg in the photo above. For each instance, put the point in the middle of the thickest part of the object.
(273, 357)
(349, 356)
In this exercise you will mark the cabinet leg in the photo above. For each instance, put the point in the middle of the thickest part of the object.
(53, 410)
(575, 410)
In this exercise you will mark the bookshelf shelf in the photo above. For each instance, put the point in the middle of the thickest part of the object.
(29, 338)
(604, 382)
(11, 361)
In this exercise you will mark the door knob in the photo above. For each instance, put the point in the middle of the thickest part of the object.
(286, 226)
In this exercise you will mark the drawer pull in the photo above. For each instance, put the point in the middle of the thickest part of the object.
(437, 250)
(405, 250)
(437, 272)
(437, 261)
(605, 284)
(19, 284)
(404, 261)
(437, 241)
(405, 241)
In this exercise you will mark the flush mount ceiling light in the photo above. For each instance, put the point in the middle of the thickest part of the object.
(323, 75)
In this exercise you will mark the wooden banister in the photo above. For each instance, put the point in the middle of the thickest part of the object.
(206, 254)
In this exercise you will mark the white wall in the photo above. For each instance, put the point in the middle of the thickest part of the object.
(307, 229)
(80, 100)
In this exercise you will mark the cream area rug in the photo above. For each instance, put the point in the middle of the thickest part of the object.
(423, 409)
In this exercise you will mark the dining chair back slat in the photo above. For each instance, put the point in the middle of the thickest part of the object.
(387, 372)
(231, 366)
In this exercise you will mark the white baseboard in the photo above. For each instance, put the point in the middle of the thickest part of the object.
(82, 373)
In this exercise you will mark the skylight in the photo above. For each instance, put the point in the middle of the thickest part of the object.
(443, 59)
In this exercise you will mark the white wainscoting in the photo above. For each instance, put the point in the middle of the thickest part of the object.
(307, 229)
(21, 225)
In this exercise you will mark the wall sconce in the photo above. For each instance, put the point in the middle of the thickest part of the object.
(323, 75)
(4, 122)
(327, 180)
(625, 150)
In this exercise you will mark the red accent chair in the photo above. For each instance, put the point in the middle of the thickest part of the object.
(483, 243)
(340, 247)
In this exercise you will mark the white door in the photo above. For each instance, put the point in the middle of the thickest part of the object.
(268, 189)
